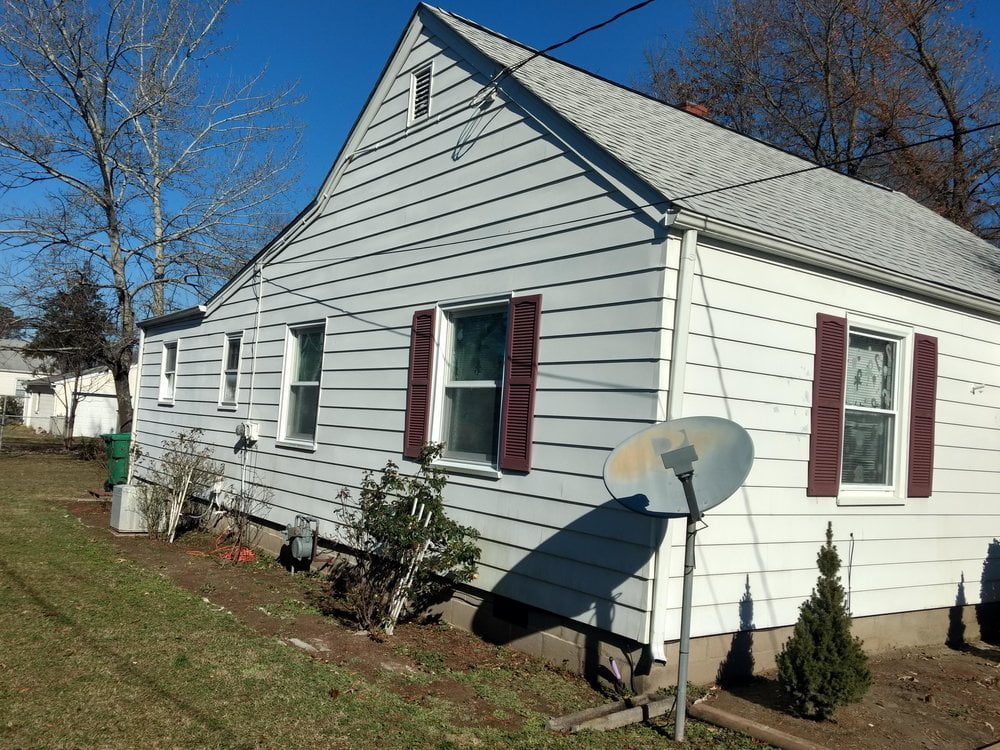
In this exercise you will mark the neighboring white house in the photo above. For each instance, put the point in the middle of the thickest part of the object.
(530, 264)
(15, 368)
(50, 398)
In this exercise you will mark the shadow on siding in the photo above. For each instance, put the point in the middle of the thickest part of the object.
(579, 572)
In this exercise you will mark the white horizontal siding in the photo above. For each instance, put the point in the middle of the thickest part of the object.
(751, 360)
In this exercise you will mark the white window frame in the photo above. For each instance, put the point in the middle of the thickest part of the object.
(168, 378)
(227, 341)
(893, 493)
(411, 116)
(288, 367)
(442, 369)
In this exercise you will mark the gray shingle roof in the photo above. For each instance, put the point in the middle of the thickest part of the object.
(682, 156)
(12, 357)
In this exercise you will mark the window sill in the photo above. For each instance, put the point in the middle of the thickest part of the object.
(461, 467)
(870, 499)
(228, 407)
(165, 402)
(298, 445)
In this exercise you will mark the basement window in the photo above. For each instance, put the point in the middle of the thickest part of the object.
(420, 93)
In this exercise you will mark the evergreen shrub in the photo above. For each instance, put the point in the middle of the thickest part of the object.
(822, 666)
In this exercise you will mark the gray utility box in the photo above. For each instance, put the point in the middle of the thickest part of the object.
(125, 515)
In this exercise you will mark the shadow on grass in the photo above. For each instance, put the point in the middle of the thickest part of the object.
(142, 682)
(764, 692)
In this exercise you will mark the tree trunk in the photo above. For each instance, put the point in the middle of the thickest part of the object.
(123, 393)
(69, 424)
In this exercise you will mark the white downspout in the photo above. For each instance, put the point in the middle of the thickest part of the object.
(135, 403)
(253, 373)
(674, 410)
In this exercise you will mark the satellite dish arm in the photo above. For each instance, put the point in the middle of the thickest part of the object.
(681, 460)
(688, 484)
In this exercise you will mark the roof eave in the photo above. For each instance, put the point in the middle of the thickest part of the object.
(774, 245)
(188, 313)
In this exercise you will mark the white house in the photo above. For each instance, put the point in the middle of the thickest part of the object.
(530, 263)
(50, 399)
(15, 368)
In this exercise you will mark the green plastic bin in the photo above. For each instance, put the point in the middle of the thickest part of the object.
(116, 449)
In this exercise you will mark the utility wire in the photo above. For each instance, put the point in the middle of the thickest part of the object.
(511, 68)
(839, 162)
(639, 206)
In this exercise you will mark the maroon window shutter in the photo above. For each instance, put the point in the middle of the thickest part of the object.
(922, 402)
(520, 379)
(825, 443)
(418, 391)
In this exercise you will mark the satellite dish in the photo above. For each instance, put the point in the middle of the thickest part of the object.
(641, 473)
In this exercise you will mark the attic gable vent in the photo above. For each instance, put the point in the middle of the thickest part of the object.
(420, 93)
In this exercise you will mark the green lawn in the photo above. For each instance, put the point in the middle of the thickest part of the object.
(97, 652)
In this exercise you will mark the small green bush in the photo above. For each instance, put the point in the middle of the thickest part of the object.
(822, 666)
(396, 517)
(90, 449)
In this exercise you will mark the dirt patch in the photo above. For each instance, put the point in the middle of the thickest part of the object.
(414, 663)
(932, 697)
(927, 697)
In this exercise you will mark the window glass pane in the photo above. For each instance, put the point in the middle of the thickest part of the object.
(232, 354)
(871, 372)
(303, 403)
(479, 345)
(170, 352)
(868, 440)
(229, 392)
(471, 423)
(309, 355)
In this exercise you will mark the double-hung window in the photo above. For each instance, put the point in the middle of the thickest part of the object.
(230, 378)
(871, 411)
(300, 396)
(475, 347)
(168, 372)
(874, 393)
(473, 370)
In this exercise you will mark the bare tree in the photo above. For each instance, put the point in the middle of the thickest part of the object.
(855, 84)
(128, 160)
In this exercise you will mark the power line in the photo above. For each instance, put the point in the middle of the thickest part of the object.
(839, 162)
(511, 68)
(655, 204)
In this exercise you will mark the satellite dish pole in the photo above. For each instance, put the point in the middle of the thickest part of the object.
(682, 461)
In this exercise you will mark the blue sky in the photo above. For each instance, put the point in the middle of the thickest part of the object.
(336, 48)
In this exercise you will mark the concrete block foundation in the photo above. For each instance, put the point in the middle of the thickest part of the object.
(582, 649)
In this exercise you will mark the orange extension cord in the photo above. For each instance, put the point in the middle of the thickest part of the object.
(226, 551)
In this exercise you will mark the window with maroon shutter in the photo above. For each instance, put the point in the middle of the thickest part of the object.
(923, 397)
(858, 435)
(519, 384)
(482, 406)
(418, 392)
(827, 406)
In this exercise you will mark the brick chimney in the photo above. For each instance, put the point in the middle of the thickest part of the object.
(696, 109)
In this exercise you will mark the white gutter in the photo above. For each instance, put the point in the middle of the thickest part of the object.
(173, 317)
(674, 385)
(135, 403)
(749, 238)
